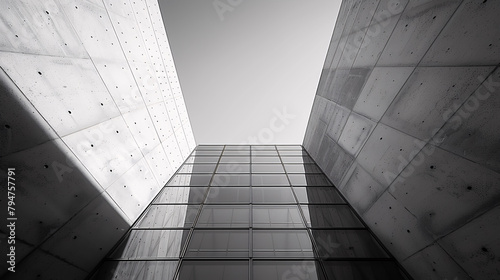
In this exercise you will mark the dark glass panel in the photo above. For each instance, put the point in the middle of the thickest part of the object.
(281, 243)
(228, 195)
(302, 168)
(266, 160)
(233, 168)
(229, 216)
(213, 270)
(270, 180)
(264, 153)
(297, 159)
(190, 180)
(272, 195)
(287, 270)
(234, 159)
(267, 168)
(309, 180)
(236, 153)
(231, 180)
(318, 195)
(150, 244)
(162, 216)
(276, 217)
(218, 243)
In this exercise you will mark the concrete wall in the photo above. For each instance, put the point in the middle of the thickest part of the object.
(405, 122)
(92, 118)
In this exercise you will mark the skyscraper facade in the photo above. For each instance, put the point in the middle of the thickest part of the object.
(249, 212)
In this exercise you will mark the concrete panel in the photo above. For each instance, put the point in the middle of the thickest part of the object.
(333, 159)
(43, 265)
(416, 30)
(472, 131)
(337, 121)
(22, 250)
(434, 263)
(379, 31)
(134, 190)
(86, 239)
(460, 43)
(317, 133)
(397, 228)
(52, 186)
(347, 85)
(360, 188)
(349, 22)
(386, 153)
(355, 133)
(161, 119)
(38, 27)
(380, 89)
(18, 130)
(436, 90)
(444, 191)
(173, 114)
(173, 151)
(67, 92)
(476, 246)
(107, 150)
(159, 164)
(142, 129)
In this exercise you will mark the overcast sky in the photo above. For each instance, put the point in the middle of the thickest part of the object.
(249, 69)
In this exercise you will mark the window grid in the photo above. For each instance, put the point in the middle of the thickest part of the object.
(193, 192)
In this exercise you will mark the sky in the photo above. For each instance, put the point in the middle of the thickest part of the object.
(249, 69)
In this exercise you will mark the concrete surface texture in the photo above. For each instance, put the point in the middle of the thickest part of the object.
(405, 123)
(93, 121)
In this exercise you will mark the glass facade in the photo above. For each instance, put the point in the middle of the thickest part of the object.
(249, 212)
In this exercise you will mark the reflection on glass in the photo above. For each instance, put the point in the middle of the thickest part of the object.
(236, 153)
(190, 180)
(309, 180)
(202, 159)
(213, 270)
(228, 195)
(281, 243)
(218, 243)
(236, 159)
(276, 217)
(197, 168)
(188, 195)
(363, 270)
(332, 216)
(263, 148)
(266, 160)
(140, 270)
(270, 180)
(231, 180)
(144, 244)
(224, 216)
(265, 153)
(347, 244)
(292, 159)
(233, 168)
(292, 153)
(237, 148)
(267, 168)
(289, 148)
(302, 168)
(164, 216)
(318, 195)
(287, 270)
(272, 195)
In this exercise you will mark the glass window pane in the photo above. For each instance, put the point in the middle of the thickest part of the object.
(302, 168)
(236, 159)
(272, 195)
(309, 180)
(231, 180)
(233, 168)
(318, 195)
(277, 217)
(162, 216)
(190, 180)
(213, 270)
(206, 153)
(197, 168)
(209, 147)
(140, 270)
(281, 243)
(142, 244)
(188, 195)
(266, 160)
(265, 153)
(293, 153)
(218, 243)
(323, 216)
(347, 244)
(287, 270)
(228, 195)
(267, 168)
(236, 153)
(224, 216)
(302, 159)
(289, 147)
(363, 270)
(237, 148)
(263, 148)
(270, 180)
(202, 159)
